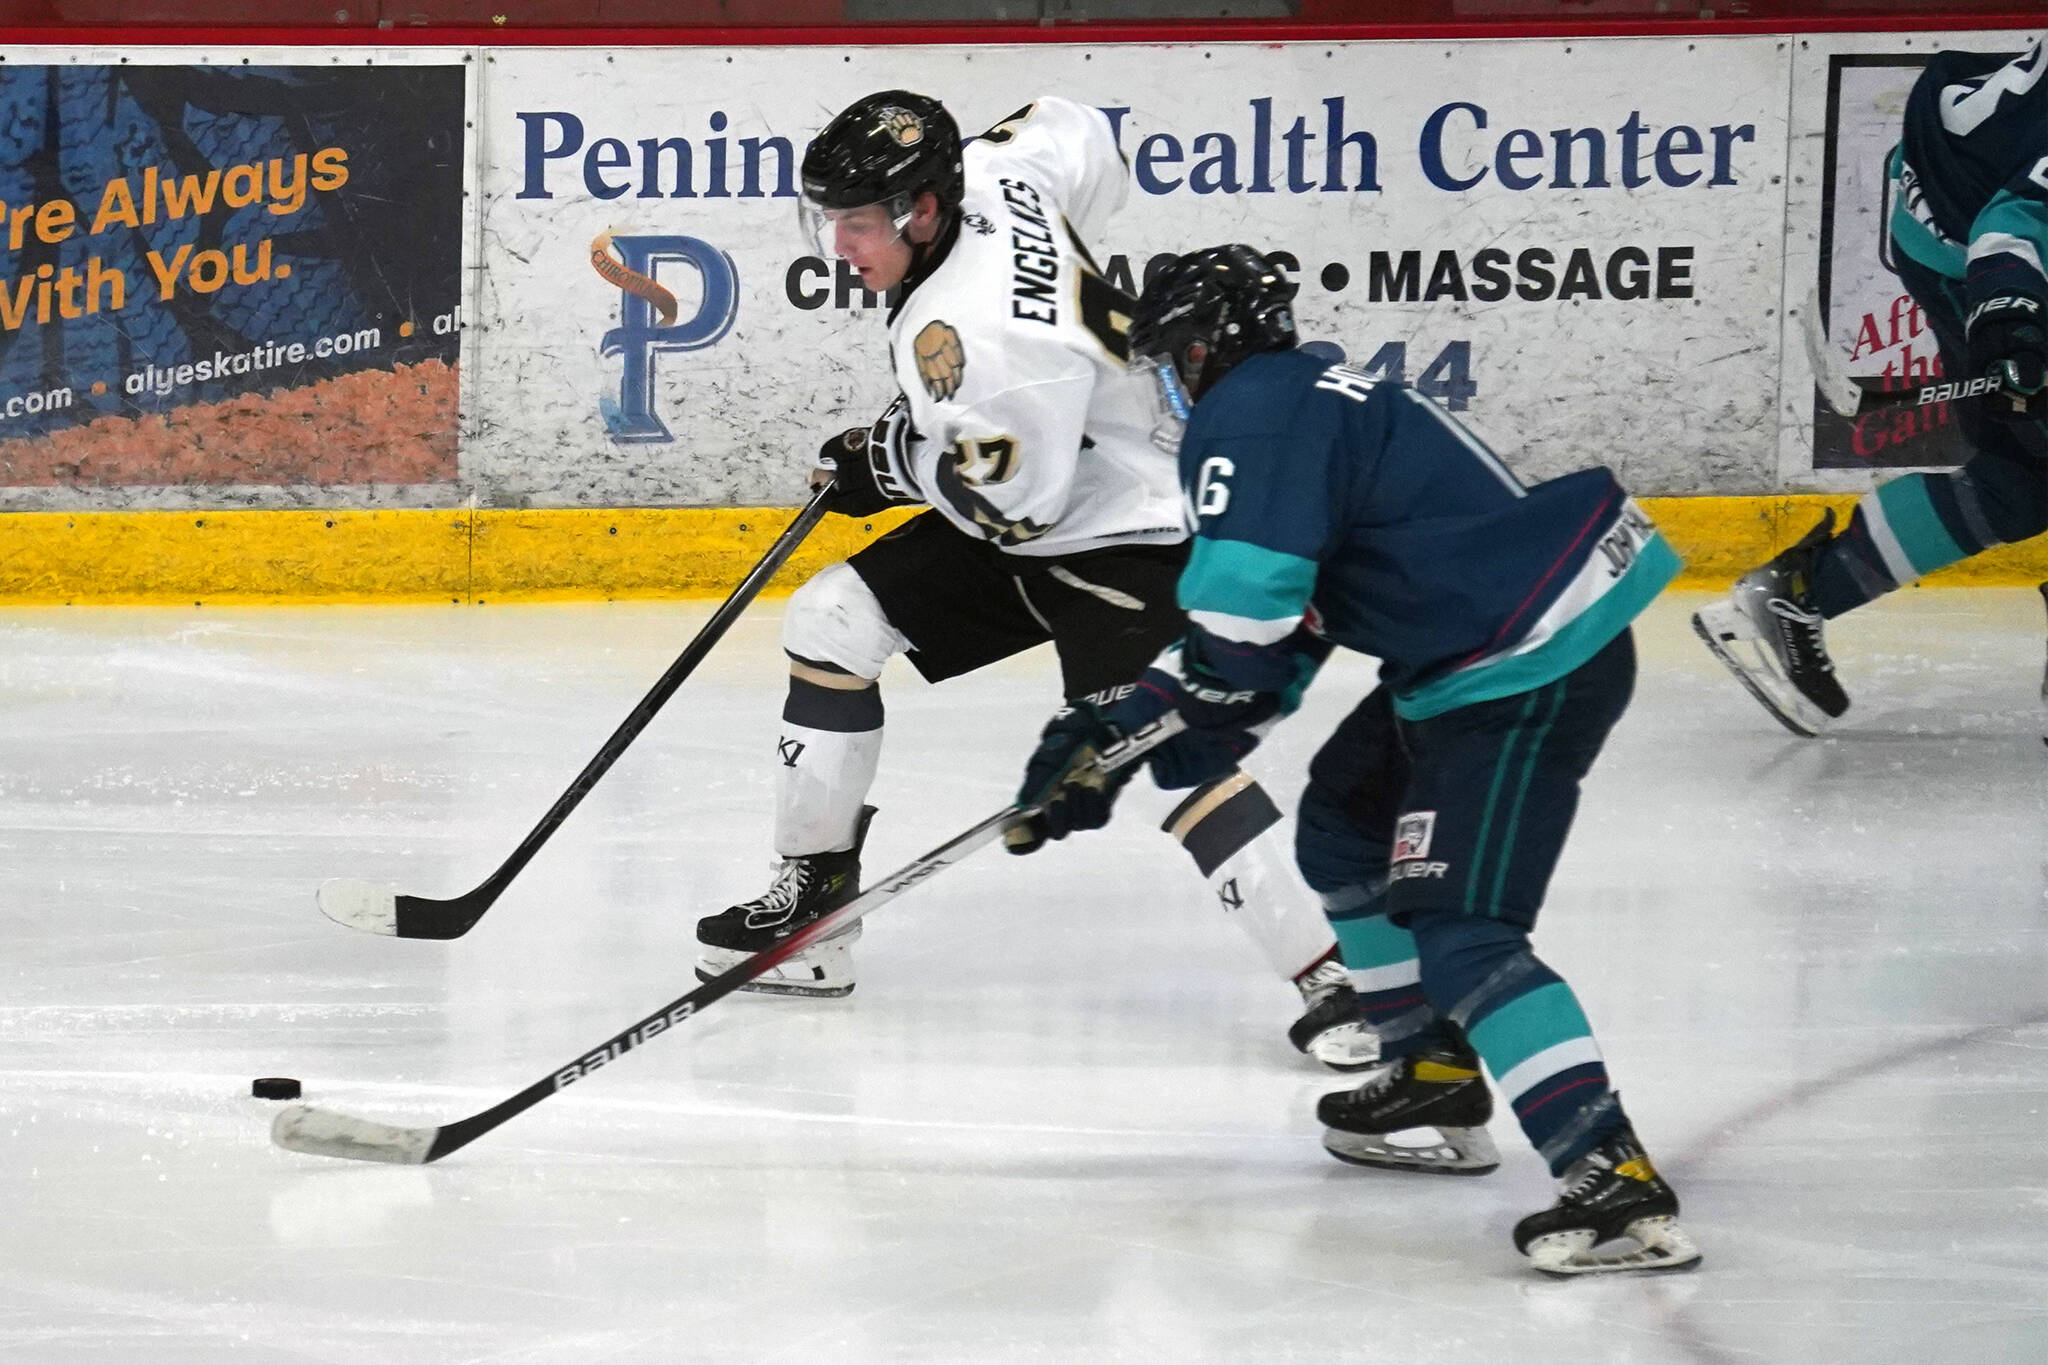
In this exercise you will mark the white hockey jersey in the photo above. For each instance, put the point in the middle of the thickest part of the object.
(1031, 433)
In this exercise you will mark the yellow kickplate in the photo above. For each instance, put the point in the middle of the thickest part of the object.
(492, 555)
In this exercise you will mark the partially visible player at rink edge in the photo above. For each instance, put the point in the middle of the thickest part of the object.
(1966, 231)
(1337, 510)
(1052, 517)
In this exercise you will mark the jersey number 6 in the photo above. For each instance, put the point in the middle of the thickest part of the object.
(1212, 495)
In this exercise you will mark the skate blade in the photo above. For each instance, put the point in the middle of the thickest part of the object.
(1457, 1151)
(1347, 1047)
(1723, 629)
(1661, 1244)
(800, 975)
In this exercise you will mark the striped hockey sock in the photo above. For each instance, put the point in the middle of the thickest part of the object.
(1387, 976)
(1903, 531)
(1536, 1042)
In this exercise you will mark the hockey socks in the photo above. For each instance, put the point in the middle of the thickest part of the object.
(1384, 972)
(1903, 531)
(828, 748)
(1526, 1023)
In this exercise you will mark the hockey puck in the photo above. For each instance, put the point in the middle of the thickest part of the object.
(274, 1088)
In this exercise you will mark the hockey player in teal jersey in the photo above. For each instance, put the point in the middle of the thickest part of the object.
(1967, 234)
(1334, 510)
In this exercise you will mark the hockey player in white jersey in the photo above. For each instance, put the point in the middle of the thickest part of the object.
(1053, 516)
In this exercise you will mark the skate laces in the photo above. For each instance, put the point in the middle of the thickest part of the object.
(1584, 1182)
(1802, 634)
(1323, 982)
(1378, 1086)
(782, 897)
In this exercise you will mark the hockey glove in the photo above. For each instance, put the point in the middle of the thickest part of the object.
(2008, 336)
(1059, 780)
(865, 464)
(1230, 694)
(1223, 725)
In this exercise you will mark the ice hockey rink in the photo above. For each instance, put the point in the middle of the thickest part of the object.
(1058, 1120)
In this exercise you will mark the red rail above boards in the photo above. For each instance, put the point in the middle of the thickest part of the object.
(694, 22)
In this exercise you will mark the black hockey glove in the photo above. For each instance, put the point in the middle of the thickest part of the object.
(860, 460)
(1231, 694)
(1058, 778)
(1224, 724)
(2008, 336)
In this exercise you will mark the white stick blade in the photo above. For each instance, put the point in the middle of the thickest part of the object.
(368, 906)
(1830, 371)
(322, 1132)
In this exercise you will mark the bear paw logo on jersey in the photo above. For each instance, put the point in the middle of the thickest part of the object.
(904, 128)
(941, 360)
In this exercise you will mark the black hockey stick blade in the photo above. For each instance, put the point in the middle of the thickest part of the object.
(325, 1132)
(376, 908)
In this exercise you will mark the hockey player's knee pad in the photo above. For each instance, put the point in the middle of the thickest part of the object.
(834, 619)
(1469, 961)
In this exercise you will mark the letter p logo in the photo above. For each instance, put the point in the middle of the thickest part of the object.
(631, 420)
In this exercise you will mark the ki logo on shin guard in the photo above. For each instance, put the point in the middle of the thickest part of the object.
(791, 750)
(1232, 898)
(642, 335)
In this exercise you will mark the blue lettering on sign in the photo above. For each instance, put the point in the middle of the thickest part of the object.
(631, 420)
(1456, 150)
(654, 167)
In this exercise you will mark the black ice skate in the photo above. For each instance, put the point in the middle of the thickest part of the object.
(1439, 1088)
(1769, 635)
(806, 888)
(1609, 1193)
(1333, 1029)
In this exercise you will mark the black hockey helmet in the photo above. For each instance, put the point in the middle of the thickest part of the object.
(1210, 309)
(885, 148)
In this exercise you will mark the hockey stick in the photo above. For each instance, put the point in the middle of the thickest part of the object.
(376, 908)
(323, 1132)
(1851, 396)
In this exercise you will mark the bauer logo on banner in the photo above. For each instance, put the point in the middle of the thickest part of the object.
(651, 321)
(1412, 835)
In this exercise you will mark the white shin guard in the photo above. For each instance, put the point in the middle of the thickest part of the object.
(1232, 830)
(822, 780)
(831, 738)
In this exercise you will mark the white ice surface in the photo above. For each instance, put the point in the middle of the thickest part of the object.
(1058, 1121)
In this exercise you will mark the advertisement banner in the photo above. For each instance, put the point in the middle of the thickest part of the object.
(229, 284)
(1581, 258)
(1849, 100)
(1870, 317)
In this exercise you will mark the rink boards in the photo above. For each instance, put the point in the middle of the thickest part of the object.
(488, 322)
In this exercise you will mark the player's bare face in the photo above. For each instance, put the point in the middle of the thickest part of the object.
(868, 239)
